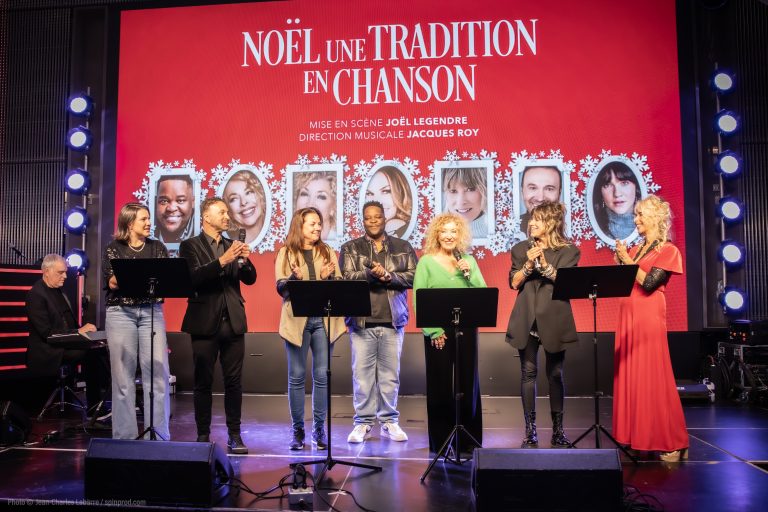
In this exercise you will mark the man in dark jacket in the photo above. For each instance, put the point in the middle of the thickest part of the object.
(388, 264)
(49, 312)
(215, 317)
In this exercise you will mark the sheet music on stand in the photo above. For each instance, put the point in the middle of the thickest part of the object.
(77, 341)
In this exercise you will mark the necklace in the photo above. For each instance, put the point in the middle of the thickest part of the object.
(137, 249)
(645, 249)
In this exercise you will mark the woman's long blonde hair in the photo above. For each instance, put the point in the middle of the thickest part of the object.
(463, 238)
(660, 214)
(294, 241)
(553, 216)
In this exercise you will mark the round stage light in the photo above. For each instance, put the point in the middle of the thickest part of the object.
(80, 105)
(76, 220)
(79, 138)
(78, 260)
(731, 253)
(730, 209)
(733, 300)
(722, 81)
(729, 164)
(727, 122)
(77, 181)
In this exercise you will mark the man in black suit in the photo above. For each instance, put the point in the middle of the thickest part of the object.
(49, 312)
(215, 317)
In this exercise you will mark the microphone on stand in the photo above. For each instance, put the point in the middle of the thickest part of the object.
(531, 245)
(241, 237)
(457, 255)
(16, 251)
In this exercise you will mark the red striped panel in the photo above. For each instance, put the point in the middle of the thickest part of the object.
(14, 367)
(12, 350)
(13, 334)
(21, 270)
(15, 287)
(12, 304)
(13, 319)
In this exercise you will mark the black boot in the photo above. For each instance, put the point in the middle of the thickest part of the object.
(558, 436)
(297, 443)
(531, 438)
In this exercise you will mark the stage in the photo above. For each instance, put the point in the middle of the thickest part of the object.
(727, 468)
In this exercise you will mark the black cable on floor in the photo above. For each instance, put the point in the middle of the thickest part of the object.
(636, 501)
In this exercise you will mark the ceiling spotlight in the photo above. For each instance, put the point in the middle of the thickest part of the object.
(733, 300)
(722, 81)
(729, 164)
(77, 181)
(77, 259)
(80, 105)
(727, 122)
(730, 209)
(76, 220)
(731, 253)
(79, 138)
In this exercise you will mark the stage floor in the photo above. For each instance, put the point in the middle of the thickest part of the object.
(727, 469)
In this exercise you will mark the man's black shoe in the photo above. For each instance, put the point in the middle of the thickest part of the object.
(203, 438)
(235, 445)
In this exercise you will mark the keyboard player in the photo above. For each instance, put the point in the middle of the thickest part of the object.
(49, 312)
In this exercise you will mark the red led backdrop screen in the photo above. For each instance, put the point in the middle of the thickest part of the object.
(483, 108)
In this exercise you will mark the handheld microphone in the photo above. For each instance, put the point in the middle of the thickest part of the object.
(457, 255)
(241, 237)
(531, 245)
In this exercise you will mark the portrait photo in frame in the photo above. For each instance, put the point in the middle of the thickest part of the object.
(611, 194)
(466, 188)
(320, 186)
(174, 205)
(534, 181)
(388, 184)
(249, 199)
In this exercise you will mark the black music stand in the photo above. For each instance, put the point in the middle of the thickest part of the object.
(156, 278)
(459, 307)
(326, 299)
(587, 283)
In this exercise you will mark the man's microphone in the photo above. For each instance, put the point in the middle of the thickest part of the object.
(457, 255)
(531, 245)
(241, 237)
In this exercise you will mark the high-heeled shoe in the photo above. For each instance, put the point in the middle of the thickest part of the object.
(674, 456)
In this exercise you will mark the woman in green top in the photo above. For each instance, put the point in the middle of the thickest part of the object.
(445, 264)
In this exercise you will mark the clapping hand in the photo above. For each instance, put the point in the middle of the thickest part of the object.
(379, 271)
(622, 256)
(328, 269)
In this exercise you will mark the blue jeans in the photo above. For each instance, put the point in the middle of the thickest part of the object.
(314, 338)
(128, 334)
(376, 373)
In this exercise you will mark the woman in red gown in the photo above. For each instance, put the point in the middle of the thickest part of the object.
(647, 413)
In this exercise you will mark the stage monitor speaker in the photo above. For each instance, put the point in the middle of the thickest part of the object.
(552, 480)
(156, 472)
(14, 424)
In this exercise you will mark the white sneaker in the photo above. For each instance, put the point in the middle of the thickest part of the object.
(393, 431)
(359, 434)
